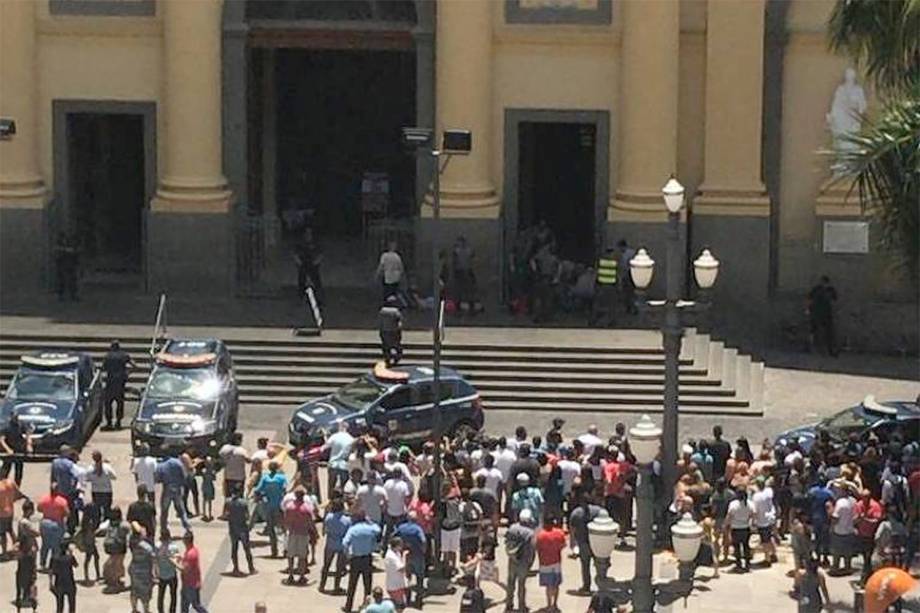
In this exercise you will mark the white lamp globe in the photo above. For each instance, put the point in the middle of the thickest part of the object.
(644, 440)
(602, 535)
(686, 536)
(706, 269)
(673, 193)
(641, 268)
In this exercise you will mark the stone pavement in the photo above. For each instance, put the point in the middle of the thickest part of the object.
(761, 590)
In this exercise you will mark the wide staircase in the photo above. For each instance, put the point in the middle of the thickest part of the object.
(714, 379)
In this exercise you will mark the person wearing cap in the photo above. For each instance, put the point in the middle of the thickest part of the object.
(520, 543)
(528, 497)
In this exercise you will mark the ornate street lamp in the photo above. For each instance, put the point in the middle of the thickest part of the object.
(602, 536)
(686, 536)
(672, 309)
(645, 442)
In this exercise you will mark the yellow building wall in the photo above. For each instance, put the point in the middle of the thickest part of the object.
(691, 117)
(546, 67)
(810, 76)
(95, 58)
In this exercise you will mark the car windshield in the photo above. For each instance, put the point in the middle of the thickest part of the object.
(845, 422)
(358, 395)
(43, 385)
(184, 384)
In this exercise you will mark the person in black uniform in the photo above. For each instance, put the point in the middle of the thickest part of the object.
(67, 265)
(116, 365)
(308, 260)
(14, 440)
(821, 301)
(390, 324)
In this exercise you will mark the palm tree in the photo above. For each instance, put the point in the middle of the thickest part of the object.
(883, 157)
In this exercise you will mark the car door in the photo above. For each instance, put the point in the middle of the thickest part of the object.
(395, 412)
(423, 414)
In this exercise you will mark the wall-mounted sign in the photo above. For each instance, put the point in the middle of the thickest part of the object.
(846, 237)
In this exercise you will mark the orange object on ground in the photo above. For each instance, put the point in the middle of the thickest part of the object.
(887, 585)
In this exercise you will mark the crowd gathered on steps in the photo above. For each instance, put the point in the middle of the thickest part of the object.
(841, 507)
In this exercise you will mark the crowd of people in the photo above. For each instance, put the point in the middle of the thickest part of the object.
(529, 499)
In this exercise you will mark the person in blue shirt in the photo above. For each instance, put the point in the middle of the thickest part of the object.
(270, 490)
(335, 526)
(171, 473)
(378, 603)
(413, 537)
(818, 498)
(66, 474)
(360, 542)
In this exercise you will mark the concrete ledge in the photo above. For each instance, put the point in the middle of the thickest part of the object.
(743, 378)
(688, 345)
(701, 353)
(757, 381)
(729, 367)
(716, 354)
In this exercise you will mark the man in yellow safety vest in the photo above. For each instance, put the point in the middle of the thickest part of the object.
(605, 296)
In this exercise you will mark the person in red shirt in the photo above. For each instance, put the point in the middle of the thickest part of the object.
(298, 521)
(617, 492)
(867, 515)
(549, 544)
(189, 564)
(9, 494)
(54, 509)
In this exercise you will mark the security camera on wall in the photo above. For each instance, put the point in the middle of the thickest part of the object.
(457, 142)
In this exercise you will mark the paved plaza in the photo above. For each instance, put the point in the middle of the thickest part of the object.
(793, 395)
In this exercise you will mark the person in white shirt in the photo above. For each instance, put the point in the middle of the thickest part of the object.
(394, 566)
(843, 533)
(570, 470)
(590, 439)
(371, 499)
(99, 477)
(144, 468)
(339, 447)
(492, 475)
(390, 270)
(765, 518)
(394, 465)
(520, 437)
(739, 515)
(504, 457)
(398, 494)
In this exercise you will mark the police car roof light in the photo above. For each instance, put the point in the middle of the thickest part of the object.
(179, 360)
(387, 374)
(872, 405)
(50, 360)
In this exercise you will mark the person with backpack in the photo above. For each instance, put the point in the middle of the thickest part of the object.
(115, 545)
(471, 526)
(894, 488)
(451, 522)
(473, 600)
(521, 547)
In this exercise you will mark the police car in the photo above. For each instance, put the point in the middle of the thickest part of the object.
(397, 402)
(190, 400)
(57, 397)
(882, 418)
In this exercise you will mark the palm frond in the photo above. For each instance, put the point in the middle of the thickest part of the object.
(882, 37)
(883, 158)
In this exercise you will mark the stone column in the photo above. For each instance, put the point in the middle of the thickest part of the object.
(463, 86)
(647, 147)
(733, 180)
(192, 178)
(731, 211)
(191, 247)
(464, 101)
(22, 190)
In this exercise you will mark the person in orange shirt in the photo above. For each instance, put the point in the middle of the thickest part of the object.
(9, 493)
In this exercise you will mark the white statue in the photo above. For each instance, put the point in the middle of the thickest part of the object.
(845, 116)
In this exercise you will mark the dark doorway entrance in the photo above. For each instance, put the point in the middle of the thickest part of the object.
(556, 184)
(339, 114)
(107, 188)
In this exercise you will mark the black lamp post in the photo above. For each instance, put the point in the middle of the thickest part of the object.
(672, 311)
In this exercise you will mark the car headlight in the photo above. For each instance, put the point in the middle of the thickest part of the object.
(144, 427)
(61, 427)
(204, 426)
